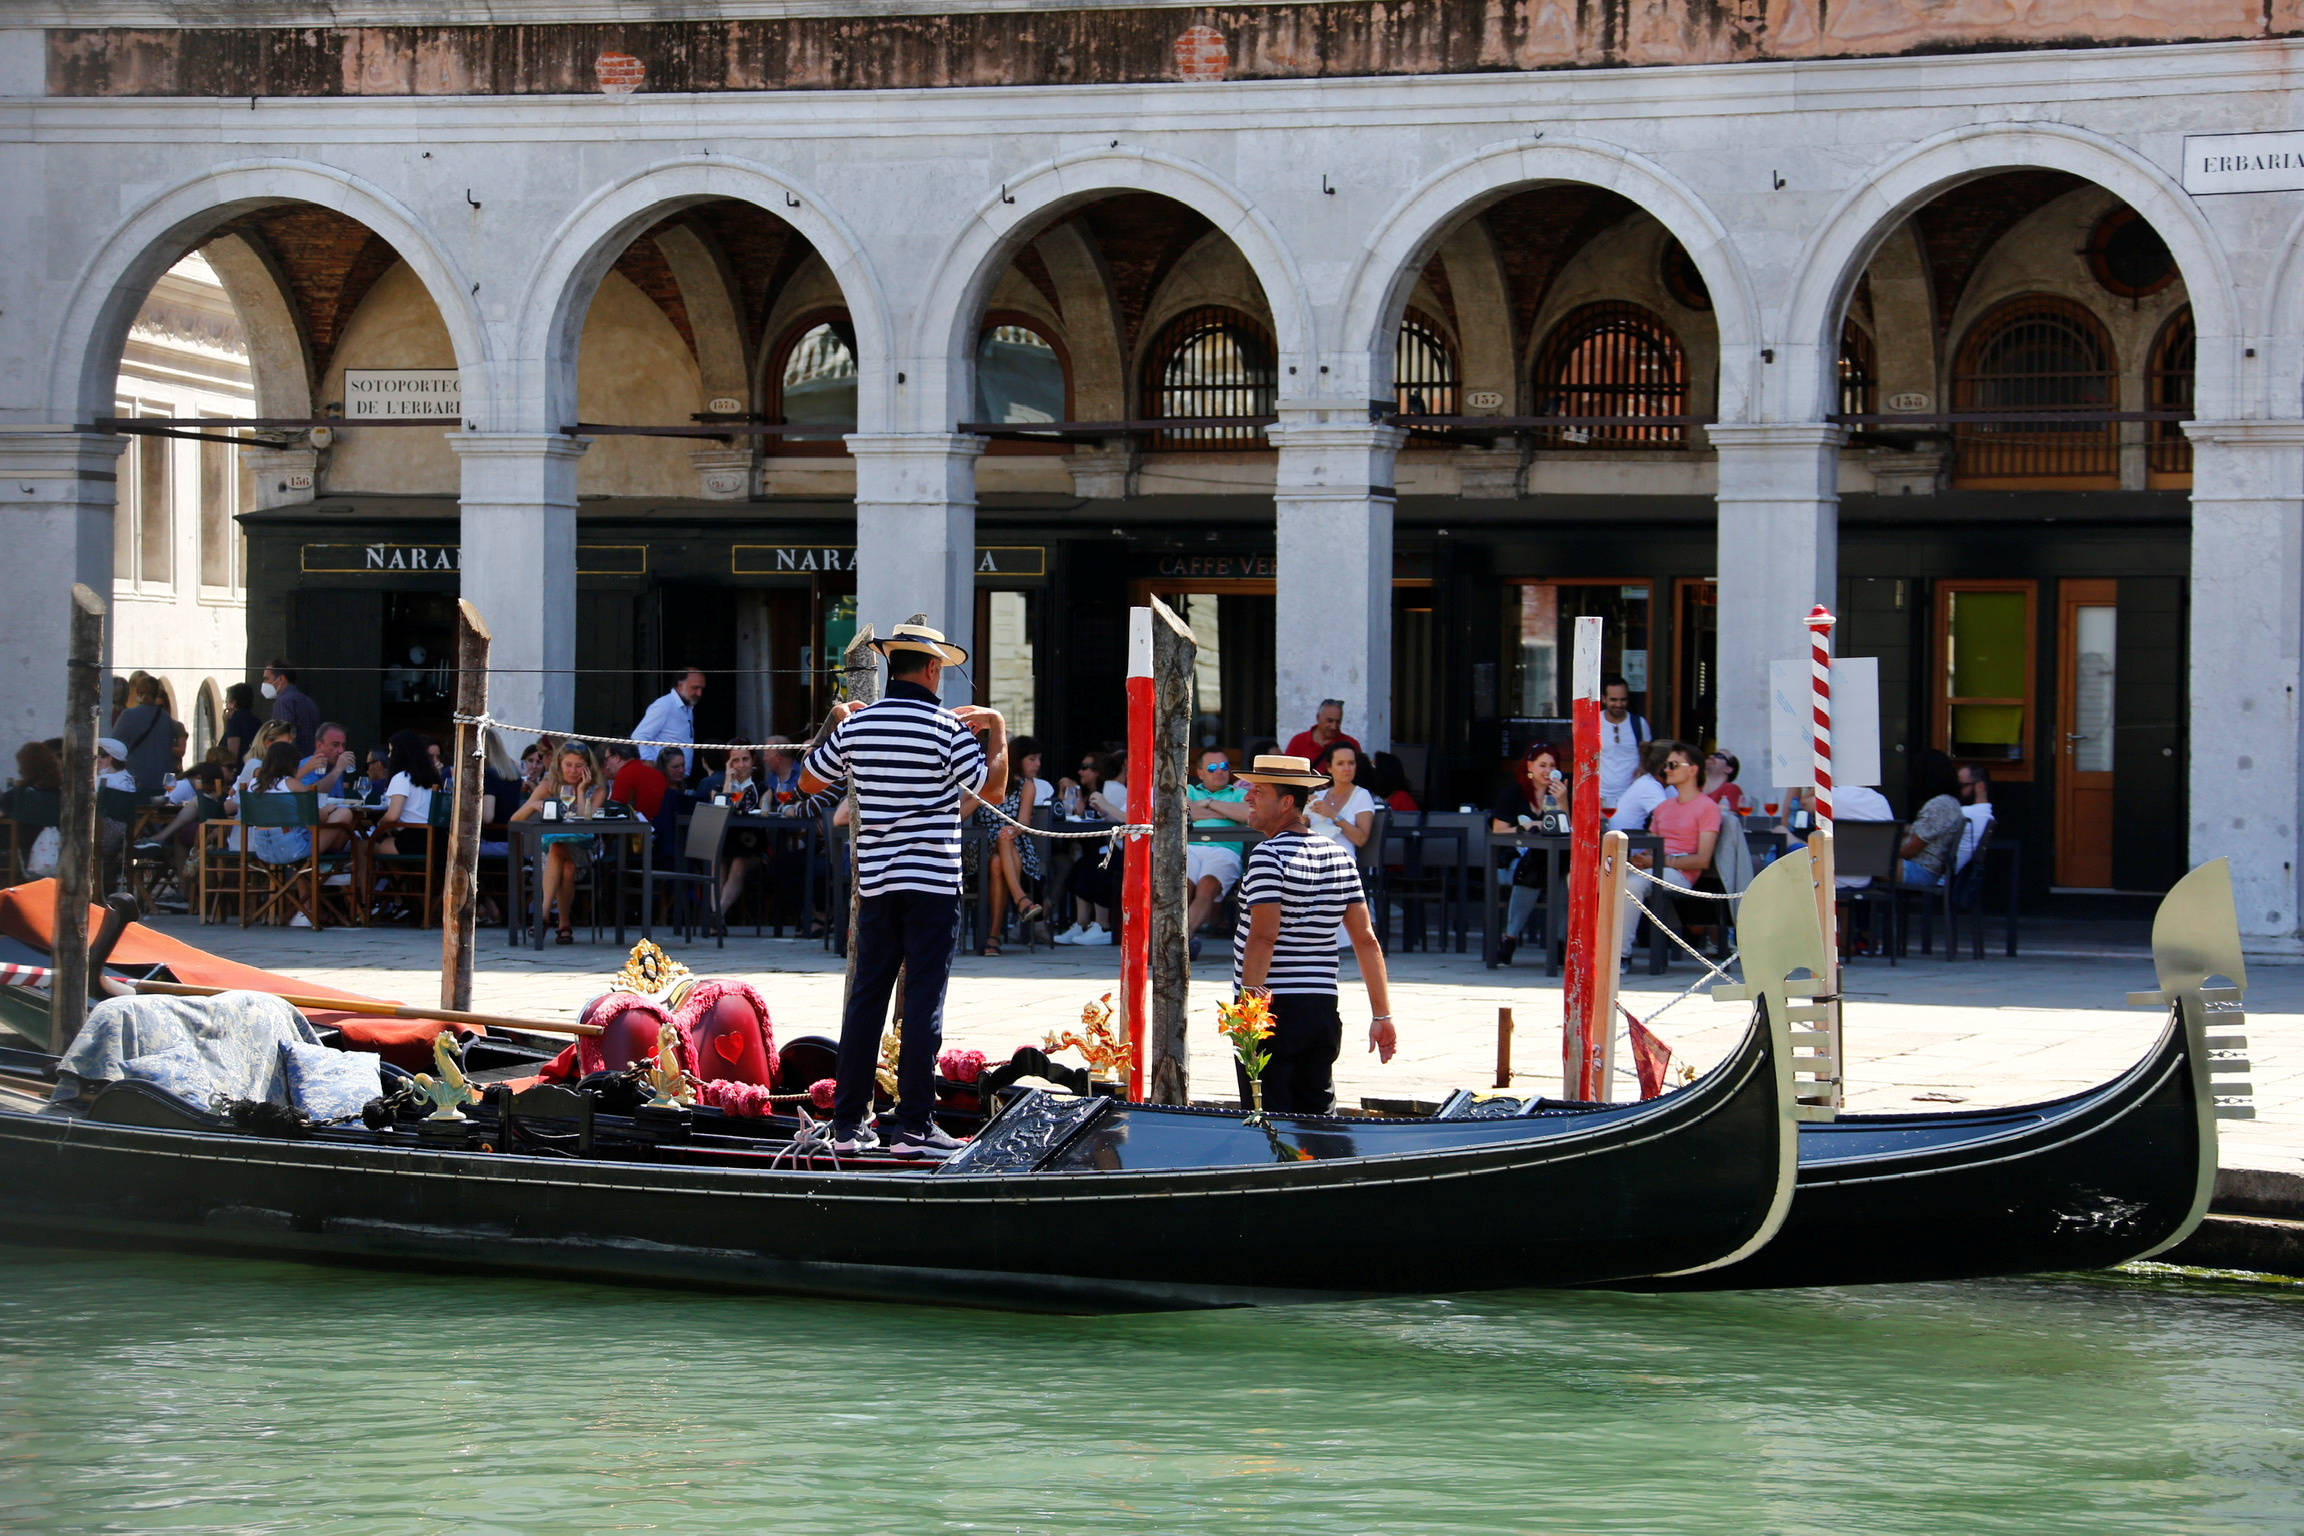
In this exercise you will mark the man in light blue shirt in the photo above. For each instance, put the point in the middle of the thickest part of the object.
(672, 718)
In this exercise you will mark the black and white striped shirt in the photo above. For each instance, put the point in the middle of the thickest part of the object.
(1312, 880)
(910, 758)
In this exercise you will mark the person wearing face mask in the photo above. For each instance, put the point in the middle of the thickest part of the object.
(291, 705)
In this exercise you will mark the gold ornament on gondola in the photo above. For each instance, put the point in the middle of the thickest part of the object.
(652, 973)
(1106, 1051)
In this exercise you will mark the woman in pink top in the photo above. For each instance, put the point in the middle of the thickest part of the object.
(1688, 822)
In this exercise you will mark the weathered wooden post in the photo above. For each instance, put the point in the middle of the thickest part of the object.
(1607, 943)
(1503, 1047)
(1174, 650)
(1137, 878)
(76, 861)
(460, 899)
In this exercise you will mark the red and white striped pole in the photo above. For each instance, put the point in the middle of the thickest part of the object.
(1136, 873)
(1580, 1031)
(1820, 708)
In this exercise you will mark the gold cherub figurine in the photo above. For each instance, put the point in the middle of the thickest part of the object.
(450, 1091)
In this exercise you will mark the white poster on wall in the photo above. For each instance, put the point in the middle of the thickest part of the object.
(1855, 722)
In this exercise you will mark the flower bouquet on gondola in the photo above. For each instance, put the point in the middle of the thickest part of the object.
(1247, 1023)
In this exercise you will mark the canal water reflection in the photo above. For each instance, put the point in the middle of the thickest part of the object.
(193, 1394)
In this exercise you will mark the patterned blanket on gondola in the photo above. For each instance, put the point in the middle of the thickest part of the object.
(236, 1045)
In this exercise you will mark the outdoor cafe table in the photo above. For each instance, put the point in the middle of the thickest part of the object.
(525, 841)
(1555, 848)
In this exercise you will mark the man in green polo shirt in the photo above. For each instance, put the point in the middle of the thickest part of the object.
(1211, 868)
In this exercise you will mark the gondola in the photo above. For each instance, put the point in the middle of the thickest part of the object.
(1060, 1201)
(2120, 1172)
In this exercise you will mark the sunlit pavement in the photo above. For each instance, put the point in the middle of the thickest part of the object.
(1998, 1031)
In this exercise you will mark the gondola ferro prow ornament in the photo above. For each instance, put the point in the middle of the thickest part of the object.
(2195, 941)
(1779, 933)
(449, 1092)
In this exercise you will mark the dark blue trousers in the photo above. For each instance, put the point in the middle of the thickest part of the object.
(916, 931)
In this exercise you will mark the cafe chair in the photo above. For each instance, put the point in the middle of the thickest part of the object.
(213, 870)
(419, 879)
(30, 813)
(707, 833)
(1872, 848)
(1963, 893)
(283, 890)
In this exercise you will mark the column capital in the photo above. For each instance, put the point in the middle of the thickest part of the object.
(965, 445)
(518, 445)
(2256, 433)
(41, 461)
(1763, 435)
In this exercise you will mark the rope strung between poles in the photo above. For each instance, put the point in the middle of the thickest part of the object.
(1682, 890)
(1693, 953)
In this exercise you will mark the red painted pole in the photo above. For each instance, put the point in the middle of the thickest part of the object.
(1136, 875)
(1580, 1029)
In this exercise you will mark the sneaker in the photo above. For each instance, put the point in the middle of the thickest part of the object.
(150, 848)
(855, 1139)
(1192, 950)
(299, 921)
(1093, 934)
(1070, 935)
(934, 1143)
(337, 880)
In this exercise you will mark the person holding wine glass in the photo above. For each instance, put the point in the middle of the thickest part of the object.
(573, 788)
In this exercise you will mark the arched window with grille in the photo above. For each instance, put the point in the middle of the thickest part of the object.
(2026, 360)
(811, 381)
(2168, 387)
(1859, 374)
(1424, 372)
(1612, 360)
(1211, 363)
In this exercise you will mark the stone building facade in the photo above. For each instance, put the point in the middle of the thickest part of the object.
(1979, 323)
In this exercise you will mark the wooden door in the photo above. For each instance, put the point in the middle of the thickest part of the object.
(2087, 644)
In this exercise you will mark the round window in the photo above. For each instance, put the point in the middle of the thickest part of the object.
(2128, 256)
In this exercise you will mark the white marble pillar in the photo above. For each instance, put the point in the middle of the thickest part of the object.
(56, 498)
(1333, 504)
(916, 537)
(2246, 664)
(518, 566)
(1779, 556)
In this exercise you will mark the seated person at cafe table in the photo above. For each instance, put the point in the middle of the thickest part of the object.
(1537, 786)
(1720, 770)
(1645, 793)
(1937, 827)
(406, 821)
(633, 782)
(1688, 822)
(737, 786)
(287, 845)
(330, 768)
(1850, 802)
(1219, 803)
(572, 787)
(1013, 856)
(1094, 884)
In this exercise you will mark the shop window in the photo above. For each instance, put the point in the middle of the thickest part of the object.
(220, 562)
(2168, 387)
(1211, 363)
(2025, 361)
(1540, 642)
(1424, 373)
(1612, 360)
(1984, 639)
(812, 380)
(1859, 373)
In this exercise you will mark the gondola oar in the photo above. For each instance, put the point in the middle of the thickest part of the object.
(363, 1005)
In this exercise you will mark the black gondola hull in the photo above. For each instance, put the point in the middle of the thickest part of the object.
(1159, 1207)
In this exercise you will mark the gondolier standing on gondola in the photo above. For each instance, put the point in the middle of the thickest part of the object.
(909, 758)
(1295, 890)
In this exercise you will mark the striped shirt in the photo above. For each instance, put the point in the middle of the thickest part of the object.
(1312, 880)
(909, 757)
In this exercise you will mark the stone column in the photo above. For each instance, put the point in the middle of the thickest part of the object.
(1779, 556)
(518, 565)
(56, 496)
(916, 537)
(2247, 607)
(1333, 502)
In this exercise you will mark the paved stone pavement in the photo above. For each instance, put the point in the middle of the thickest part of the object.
(1999, 1031)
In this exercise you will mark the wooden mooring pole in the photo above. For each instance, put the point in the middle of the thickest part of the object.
(1137, 882)
(1503, 1047)
(1174, 650)
(77, 861)
(460, 900)
(860, 671)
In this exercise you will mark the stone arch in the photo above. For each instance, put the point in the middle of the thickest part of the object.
(943, 352)
(124, 267)
(2281, 316)
(579, 253)
(1883, 199)
(1423, 219)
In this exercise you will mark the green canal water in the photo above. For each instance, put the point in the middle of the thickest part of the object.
(205, 1395)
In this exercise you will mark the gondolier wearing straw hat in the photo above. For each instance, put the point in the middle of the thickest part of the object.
(909, 758)
(1295, 890)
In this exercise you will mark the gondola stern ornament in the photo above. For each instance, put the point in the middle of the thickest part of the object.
(450, 1091)
(663, 1076)
(1780, 934)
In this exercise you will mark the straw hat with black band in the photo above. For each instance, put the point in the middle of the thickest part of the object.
(1276, 768)
(919, 637)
